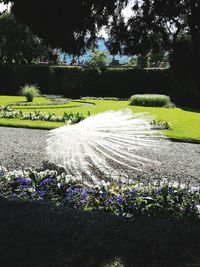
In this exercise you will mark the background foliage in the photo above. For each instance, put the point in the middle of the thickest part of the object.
(75, 82)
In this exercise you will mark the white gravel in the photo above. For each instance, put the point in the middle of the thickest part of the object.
(22, 148)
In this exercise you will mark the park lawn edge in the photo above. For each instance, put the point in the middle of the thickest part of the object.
(184, 123)
(54, 125)
(42, 125)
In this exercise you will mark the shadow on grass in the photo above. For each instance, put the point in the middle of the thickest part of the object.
(35, 234)
(23, 101)
(47, 107)
(190, 109)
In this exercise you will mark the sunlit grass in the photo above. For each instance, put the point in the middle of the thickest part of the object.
(185, 123)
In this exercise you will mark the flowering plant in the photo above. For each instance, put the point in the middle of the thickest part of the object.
(133, 200)
(9, 113)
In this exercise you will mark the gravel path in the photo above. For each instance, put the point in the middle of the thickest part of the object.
(26, 148)
(22, 147)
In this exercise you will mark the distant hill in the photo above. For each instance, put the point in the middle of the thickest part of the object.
(101, 47)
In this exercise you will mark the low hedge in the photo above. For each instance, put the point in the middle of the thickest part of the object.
(76, 82)
(152, 100)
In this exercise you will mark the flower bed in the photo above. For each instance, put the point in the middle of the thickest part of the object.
(9, 113)
(166, 201)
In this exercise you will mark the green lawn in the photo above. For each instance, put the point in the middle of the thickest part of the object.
(185, 123)
(4, 100)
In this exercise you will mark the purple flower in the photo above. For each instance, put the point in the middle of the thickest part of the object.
(132, 207)
(47, 181)
(2, 173)
(158, 191)
(108, 202)
(103, 194)
(14, 195)
(73, 192)
(133, 192)
(22, 181)
(194, 204)
(41, 194)
(83, 201)
(120, 198)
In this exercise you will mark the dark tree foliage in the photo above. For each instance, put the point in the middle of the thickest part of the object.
(153, 26)
(70, 25)
(156, 24)
(17, 43)
(172, 25)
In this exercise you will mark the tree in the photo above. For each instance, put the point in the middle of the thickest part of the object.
(115, 63)
(182, 56)
(19, 45)
(73, 25)
(53, 56)
(159, 59)
(153, 25)
(98, 60)
(159, 25)
(70, 25)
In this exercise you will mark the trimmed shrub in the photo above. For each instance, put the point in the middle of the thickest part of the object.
(30, 91)
(185, 92)
(6, 83)
(123, 82)
(66, 81)
(150, 100)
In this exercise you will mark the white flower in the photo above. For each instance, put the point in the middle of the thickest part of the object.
(198, 207)
(58, 178)
(63, 175)
(52, 173)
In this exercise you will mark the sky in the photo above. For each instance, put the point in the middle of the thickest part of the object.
(2, 7)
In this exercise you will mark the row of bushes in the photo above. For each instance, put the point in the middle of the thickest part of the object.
(75, 82)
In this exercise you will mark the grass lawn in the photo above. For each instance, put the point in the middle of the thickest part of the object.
(185, 123)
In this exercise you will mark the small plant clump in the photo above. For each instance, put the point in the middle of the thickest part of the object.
(151, 100)
(30, 91)
(160, 125)
(100, 98)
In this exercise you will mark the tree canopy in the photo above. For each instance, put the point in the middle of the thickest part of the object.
(17, 43)
(152, 25)
(73, 25)
(70, 25)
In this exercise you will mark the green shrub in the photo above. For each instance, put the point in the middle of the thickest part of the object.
(30, 91)
(149, 100)
(66, 80)
(98, 60)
